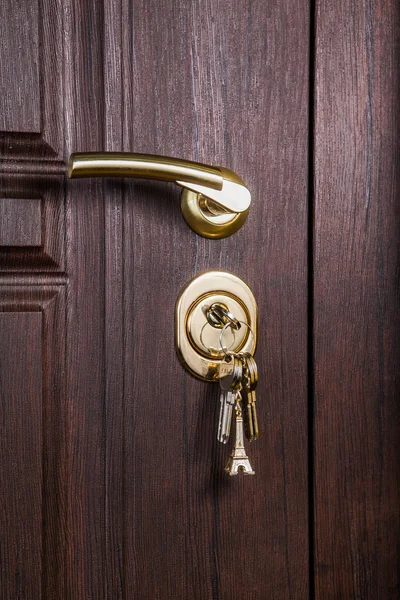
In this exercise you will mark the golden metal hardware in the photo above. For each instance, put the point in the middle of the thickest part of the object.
(197, 338)
(218, 315)
(215, 201)
(238, 460)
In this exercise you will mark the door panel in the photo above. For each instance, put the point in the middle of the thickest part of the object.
(31, 79)
(130, 499)
(356, 306)
(34, 477)
(21, 454)
(32, 222)
(189, 513)
(32, 466)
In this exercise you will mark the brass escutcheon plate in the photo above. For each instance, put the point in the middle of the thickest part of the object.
(197, 341)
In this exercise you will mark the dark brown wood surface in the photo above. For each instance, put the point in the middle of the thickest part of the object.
(239, 97)
(112, 480)
(21, 455)
(33, 422)
(357, 300)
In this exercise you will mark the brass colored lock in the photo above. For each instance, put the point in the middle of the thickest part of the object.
(212, 304)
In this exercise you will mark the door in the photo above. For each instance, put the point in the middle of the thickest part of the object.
(111, 475)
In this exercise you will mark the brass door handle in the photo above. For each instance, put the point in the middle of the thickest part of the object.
(215, 201)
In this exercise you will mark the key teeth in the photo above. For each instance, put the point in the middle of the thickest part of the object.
(249, 428)
(255, 421)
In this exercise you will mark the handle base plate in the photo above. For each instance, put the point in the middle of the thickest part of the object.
(205, 223)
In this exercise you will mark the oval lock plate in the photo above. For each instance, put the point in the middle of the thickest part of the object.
(197, 340)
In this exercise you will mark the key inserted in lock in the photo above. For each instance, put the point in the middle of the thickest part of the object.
(206, 304)
(218, 315)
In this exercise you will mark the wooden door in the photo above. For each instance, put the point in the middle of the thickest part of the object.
(111, 478)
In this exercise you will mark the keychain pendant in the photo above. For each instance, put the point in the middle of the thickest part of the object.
(238, 460)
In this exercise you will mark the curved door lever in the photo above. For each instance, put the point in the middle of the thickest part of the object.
(215, 201)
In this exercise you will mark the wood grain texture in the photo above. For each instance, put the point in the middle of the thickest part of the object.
(135, 501)
(33, 472)
(357, 299)
(20, 222)
(31, 80)
(115, 500)
(21, 455)
(43, 249)
(119, 492)
(216, 85)
(20, 109)
(85, 571)
(150, 508)
(33, 417)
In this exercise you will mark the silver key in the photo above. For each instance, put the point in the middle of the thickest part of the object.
(227, 399)
(230, 378)
(230, 372)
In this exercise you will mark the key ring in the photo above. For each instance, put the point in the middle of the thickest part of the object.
(225, 350)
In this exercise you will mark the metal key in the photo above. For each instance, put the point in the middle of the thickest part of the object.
(238, 460)
(246, 385)
(253, 371)
(230, 378)
(251, 384)
(227, 399)
(231, 372)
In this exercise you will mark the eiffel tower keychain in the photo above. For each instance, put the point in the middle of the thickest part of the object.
(238, 460)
